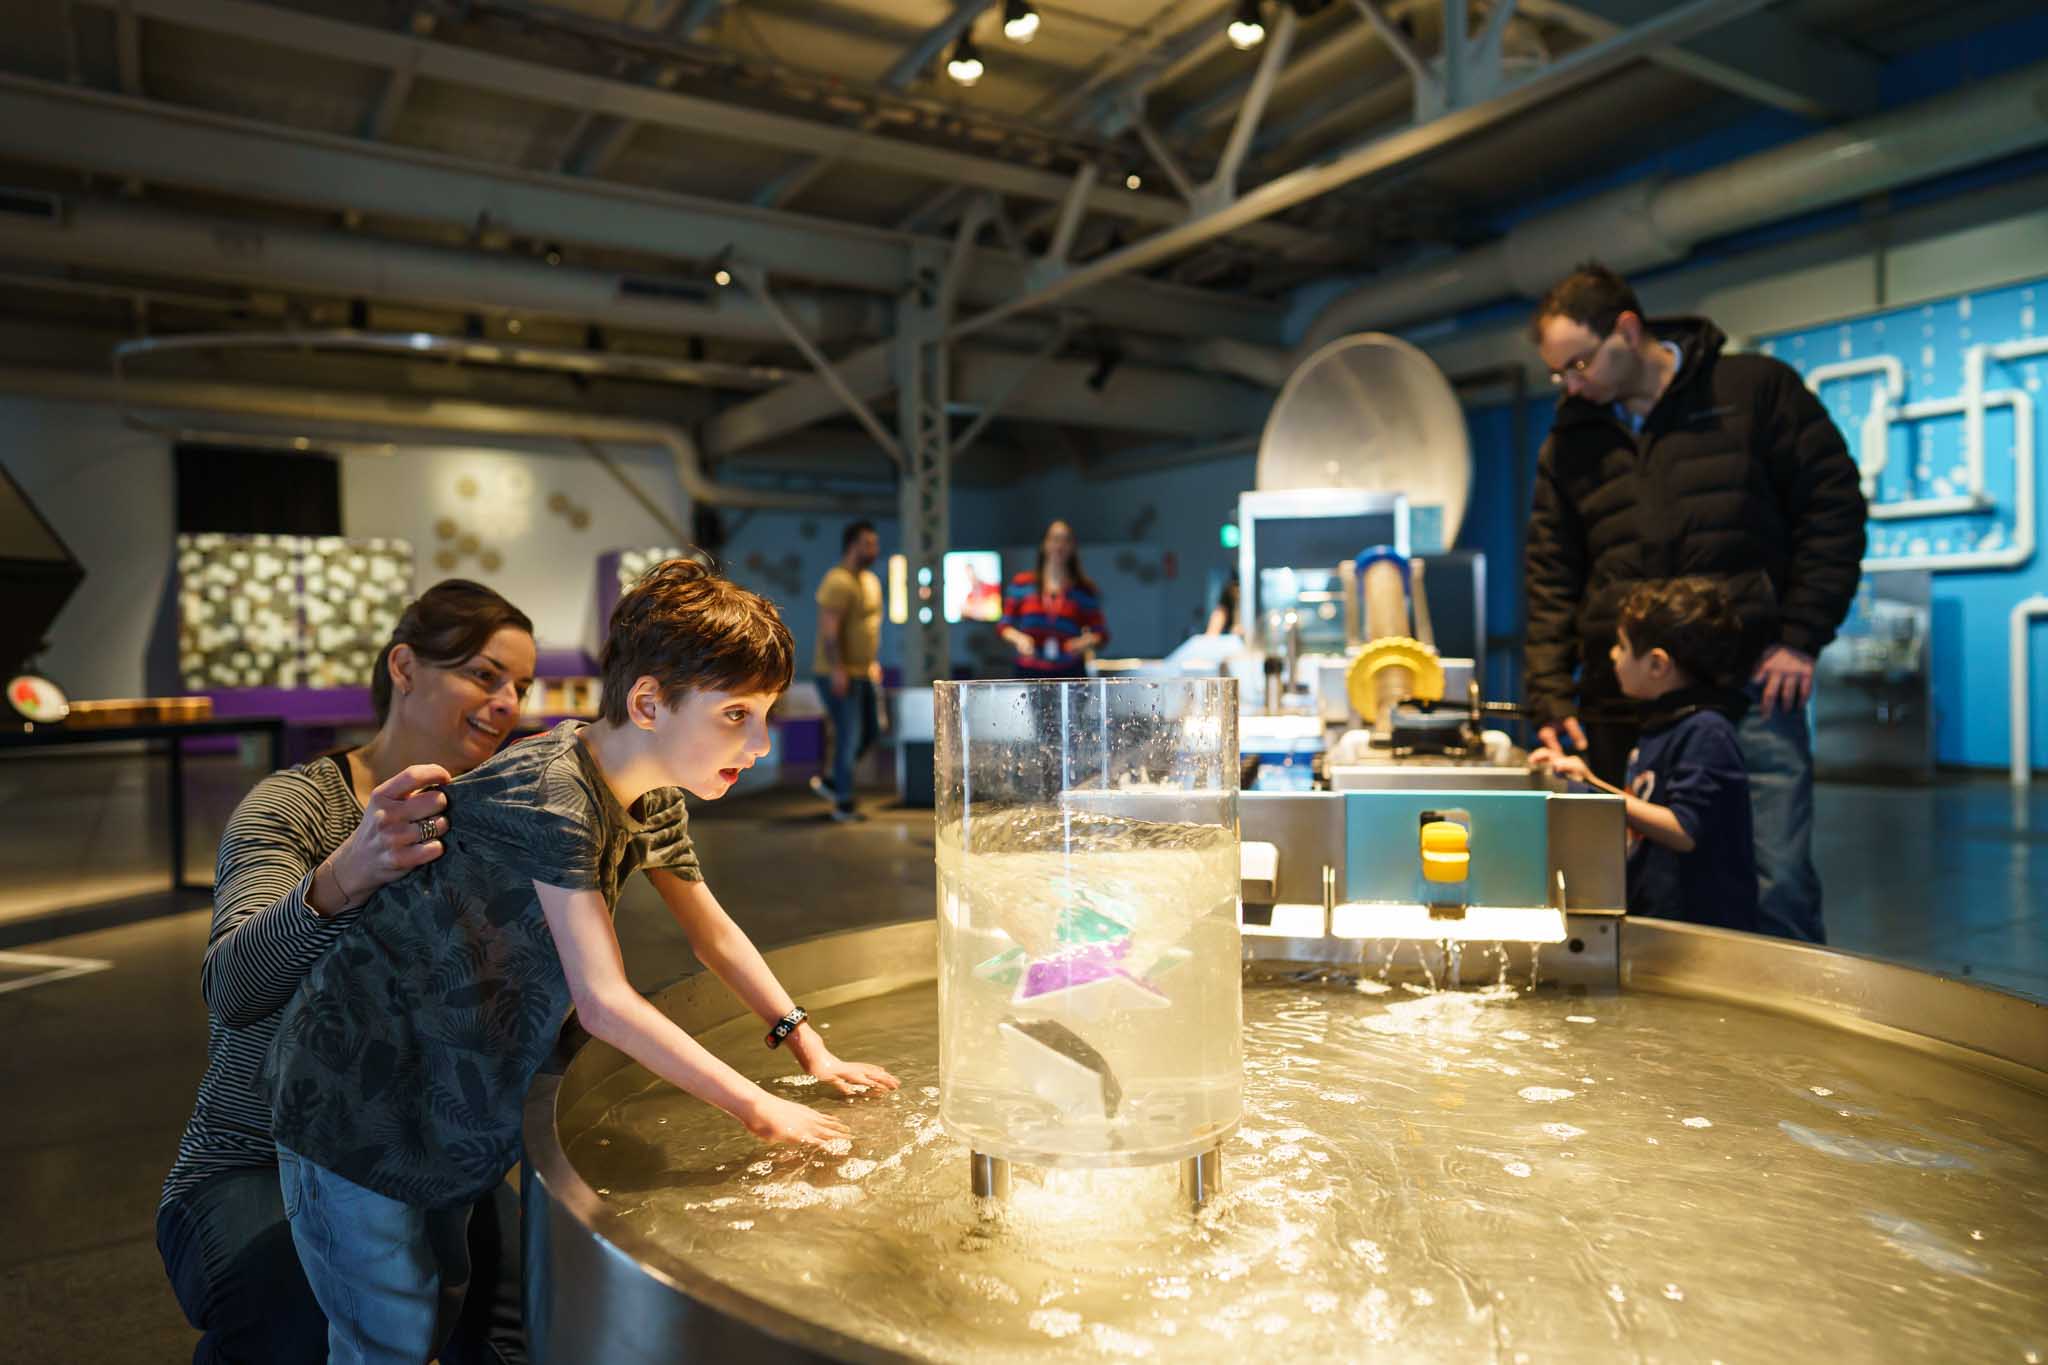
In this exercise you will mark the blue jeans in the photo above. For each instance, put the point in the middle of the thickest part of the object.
(853, 731)
(1779, 754)
(390, 1277)
(228, 1251)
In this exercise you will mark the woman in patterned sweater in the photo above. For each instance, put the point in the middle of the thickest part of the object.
(303, 850)
(1052, 616)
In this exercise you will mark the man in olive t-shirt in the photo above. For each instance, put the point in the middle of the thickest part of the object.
(847, 660)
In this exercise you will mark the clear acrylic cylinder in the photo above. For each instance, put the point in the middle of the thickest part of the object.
(1089, 967)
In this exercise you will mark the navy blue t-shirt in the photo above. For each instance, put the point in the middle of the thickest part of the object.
(1690, 762)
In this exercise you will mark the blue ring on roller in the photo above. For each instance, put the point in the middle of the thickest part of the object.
(1373, 554)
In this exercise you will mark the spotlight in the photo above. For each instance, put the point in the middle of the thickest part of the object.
(1020, 21)
(1248, 29)
(721, 278)
(1133, 181)
(965, 65)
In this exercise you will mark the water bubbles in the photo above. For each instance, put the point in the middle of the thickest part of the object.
(1563, 1132)
(1519, 1169)
(1054, 1322)
(1515, 1035)
(1615, 1292)
(1421, 1298)
(1697, 1122)
(1674, 1293)
(1374, 1256)
(1820, 1090)
(856, 1168)
(1976, 1234)
(741, 1225)
(1544, 1094)
(1580, 1019)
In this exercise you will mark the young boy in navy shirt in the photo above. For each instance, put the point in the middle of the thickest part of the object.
(1691, 850)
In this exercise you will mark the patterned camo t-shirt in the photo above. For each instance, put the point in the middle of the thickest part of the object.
(403, 1061)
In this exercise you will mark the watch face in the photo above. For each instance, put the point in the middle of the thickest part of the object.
(37, 699)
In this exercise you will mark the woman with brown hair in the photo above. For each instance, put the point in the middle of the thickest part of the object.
(1052, 616)
(302, 852)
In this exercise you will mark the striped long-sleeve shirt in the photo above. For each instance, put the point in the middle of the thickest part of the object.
(1052, 620)
(264, 939)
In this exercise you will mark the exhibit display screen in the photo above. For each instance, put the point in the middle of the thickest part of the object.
(974, 585)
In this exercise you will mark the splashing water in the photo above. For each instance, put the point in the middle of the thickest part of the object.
(1401, 1185)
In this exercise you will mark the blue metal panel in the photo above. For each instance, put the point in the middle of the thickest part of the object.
(1914, 423)
(1510, 845)
(1927, 456)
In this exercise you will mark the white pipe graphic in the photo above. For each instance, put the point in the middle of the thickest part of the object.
(2022, 731)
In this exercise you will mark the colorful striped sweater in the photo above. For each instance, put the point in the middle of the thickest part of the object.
(1052, 622)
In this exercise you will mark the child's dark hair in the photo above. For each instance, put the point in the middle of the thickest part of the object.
(1691, 620)
(691, 630)
(445, 626)
(1592, 296)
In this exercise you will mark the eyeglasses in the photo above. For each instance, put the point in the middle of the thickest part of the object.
(1583, 362)
(1578, 364)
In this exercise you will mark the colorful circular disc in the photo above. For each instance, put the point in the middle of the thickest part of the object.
(37, 700)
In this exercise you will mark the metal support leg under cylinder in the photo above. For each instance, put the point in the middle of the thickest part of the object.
(1201, 1178)
(991, 1176)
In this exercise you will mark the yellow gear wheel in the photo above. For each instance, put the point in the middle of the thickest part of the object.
(1394, 651)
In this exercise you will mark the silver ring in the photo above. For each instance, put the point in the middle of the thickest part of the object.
(426, 828)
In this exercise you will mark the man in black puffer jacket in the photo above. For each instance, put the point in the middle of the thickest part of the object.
(1669, 458)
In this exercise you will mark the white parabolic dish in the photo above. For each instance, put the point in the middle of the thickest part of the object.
(1370, 412)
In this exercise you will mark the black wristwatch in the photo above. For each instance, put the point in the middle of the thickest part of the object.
(786, 1025)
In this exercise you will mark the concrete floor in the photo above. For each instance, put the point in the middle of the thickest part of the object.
(99, 1068)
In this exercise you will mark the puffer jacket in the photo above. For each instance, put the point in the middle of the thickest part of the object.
(1738, 474)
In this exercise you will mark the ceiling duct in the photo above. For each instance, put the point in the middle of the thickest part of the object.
(1652, 223)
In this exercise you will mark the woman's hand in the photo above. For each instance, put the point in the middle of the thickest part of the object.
(1083, 642)
(1018, 640)
(774, 1120)
(401, 829)
(848, 1078)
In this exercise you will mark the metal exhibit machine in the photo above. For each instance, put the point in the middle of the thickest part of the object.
(1410, 821)
(1365, 637)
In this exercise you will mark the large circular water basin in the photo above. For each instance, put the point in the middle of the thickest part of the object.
(1750, 1151)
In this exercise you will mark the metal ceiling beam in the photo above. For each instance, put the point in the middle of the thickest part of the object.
(1763, 57)
(128, 47)
(602, 150)
(1025, 386)
(900, 75)
(1222, 186)
(1298, 187)
(757, 284)
(1333, 60)
(627, 101)
(53, 123)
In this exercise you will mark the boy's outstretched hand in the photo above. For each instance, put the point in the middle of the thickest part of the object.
(848, 1078)
(1569, 766)
(776, 1120)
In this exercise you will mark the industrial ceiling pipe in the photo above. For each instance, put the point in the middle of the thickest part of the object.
(381, 415)
(510, 355)
(123, 236)
(1653, 223)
